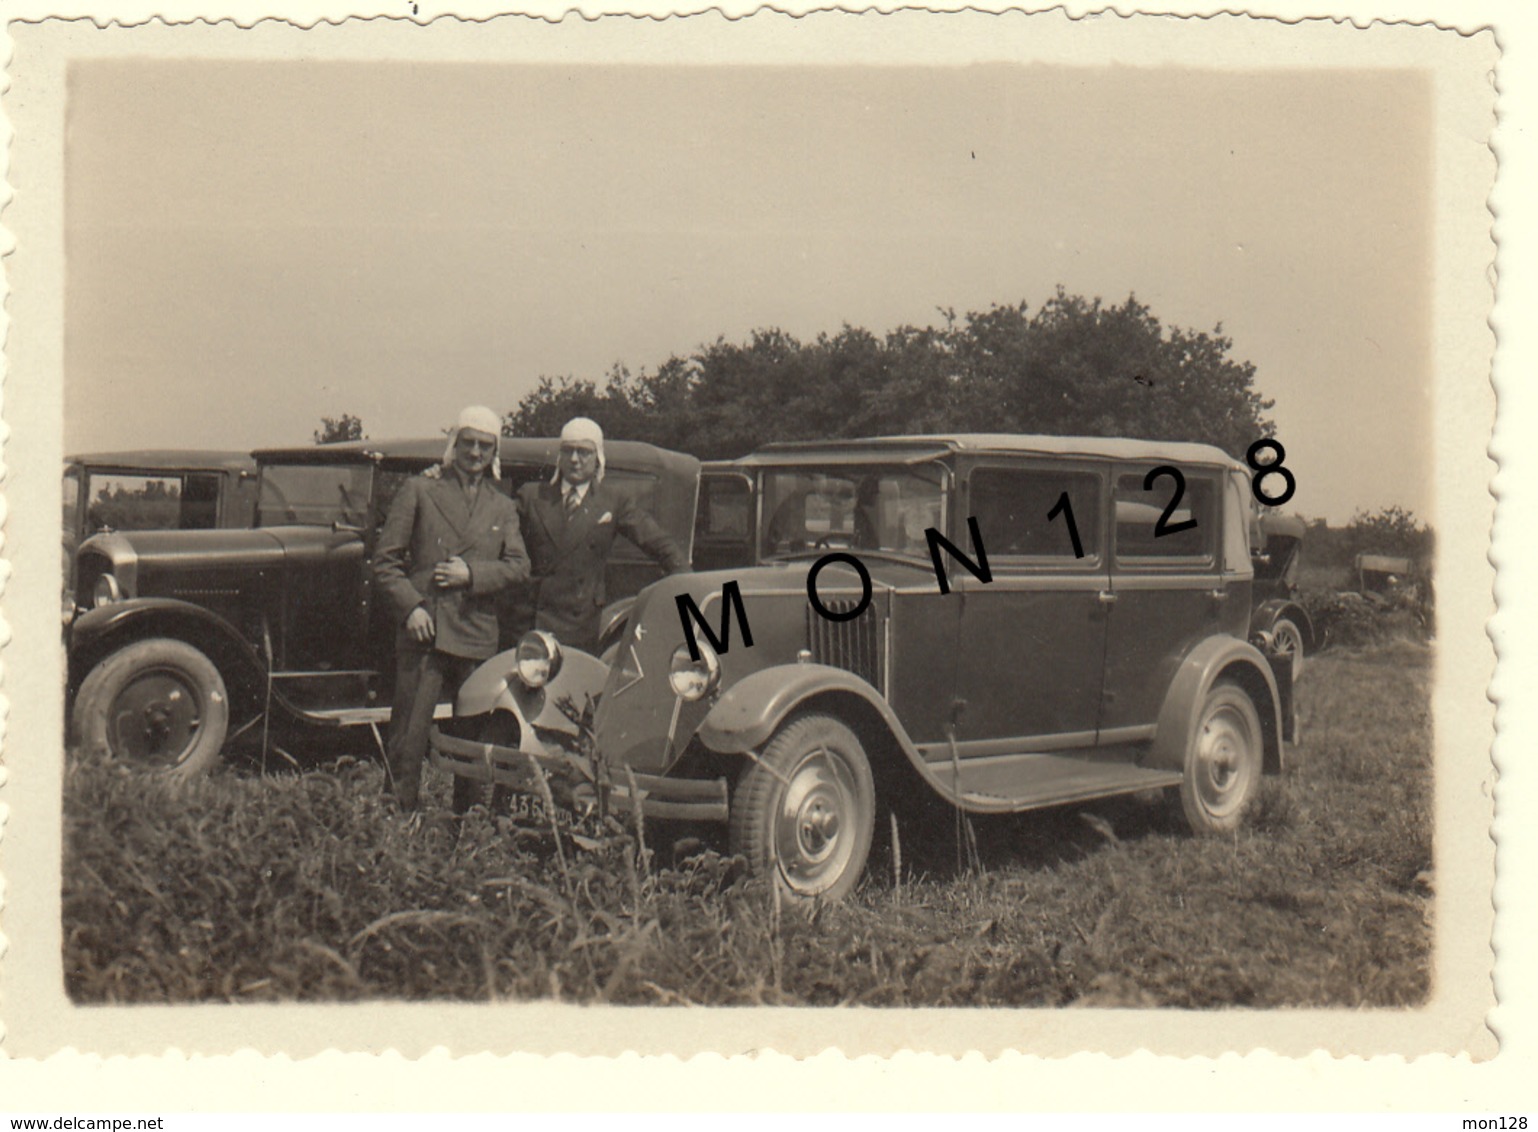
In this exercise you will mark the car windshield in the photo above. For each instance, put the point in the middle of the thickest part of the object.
(866, 507)
(314, 495)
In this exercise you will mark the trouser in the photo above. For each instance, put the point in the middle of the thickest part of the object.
(422, 678)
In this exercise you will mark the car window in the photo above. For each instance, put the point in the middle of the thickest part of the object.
(317, 495)
(1236, 528)
(865, 507)
(200, 501)
(725, 510)
(128, 502)
(1018, 511)
(1143, 530)
(71, 487)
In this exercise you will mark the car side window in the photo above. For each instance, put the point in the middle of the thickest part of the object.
(724, 510)
(127, 501)
(1154, 526)
(1018, 514)
(200, 502)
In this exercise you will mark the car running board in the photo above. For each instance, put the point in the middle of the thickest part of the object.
(1011, 783)
(369, 716)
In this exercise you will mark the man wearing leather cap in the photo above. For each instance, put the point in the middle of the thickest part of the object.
(447, 548)
(569, 526)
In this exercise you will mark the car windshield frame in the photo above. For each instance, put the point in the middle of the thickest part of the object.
(297, 490)
(892, 514)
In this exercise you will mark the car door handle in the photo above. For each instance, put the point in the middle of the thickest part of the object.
(1218, 595)
(1106, 597)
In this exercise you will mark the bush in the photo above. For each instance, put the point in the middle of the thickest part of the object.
(1353, 619)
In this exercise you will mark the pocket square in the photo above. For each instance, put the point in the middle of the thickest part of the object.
(608, 517)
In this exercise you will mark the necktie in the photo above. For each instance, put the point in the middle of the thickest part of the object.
(571, 502)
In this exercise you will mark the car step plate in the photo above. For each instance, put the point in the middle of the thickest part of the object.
(1009, 783)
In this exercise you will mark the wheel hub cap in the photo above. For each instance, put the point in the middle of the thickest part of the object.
(819, 797)
(1220, 749)
(155, 718)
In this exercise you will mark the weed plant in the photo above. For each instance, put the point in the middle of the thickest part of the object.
(310, 886)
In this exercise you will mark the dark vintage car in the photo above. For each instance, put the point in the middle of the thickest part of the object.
(186, 639)
(1278, 558)
(1007, 622)
(152, 490)
(726, 535)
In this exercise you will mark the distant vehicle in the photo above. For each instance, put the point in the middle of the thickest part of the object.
(1102, 651)
(163, 489)
(185, 639)
(1278, 563)
(1382, 573)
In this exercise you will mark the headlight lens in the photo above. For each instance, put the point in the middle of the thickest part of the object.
(106, 592)
(539, 658)
(694, 679)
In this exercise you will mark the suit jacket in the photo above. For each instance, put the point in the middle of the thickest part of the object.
(569, 554)
(431, 520)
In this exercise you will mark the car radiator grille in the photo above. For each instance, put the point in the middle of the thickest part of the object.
(854, 645)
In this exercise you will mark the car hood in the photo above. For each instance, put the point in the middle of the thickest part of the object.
(190, 549)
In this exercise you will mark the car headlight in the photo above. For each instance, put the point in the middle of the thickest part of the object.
(539, 658)
(107, 591)
(694, 679)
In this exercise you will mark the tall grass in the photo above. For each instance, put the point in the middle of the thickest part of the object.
(309, 886)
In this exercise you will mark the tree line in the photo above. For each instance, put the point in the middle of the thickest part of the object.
(1076, 366)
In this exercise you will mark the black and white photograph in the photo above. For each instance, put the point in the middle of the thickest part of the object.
(983, 522)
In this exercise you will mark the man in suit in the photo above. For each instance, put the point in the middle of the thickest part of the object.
(569, 526)
(448, 546)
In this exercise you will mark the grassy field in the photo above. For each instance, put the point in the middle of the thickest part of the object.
(307, 886)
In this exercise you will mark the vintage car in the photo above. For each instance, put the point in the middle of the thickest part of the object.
(1008, 622)
(152, 490)
(187, 639)
(726, 536)
(1278, 611)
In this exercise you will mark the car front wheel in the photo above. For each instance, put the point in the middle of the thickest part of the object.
(159, 704)
(804, 812)
(1223, 764)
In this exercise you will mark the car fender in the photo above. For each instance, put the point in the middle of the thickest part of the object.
(495, 685)
(1214, 658)
(99, 631)
(1270, 612)
(749, 712)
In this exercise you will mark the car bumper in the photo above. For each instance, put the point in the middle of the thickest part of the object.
(675, 799)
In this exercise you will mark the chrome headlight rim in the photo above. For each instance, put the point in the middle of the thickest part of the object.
(538, 659)
(106, 592)
(690, 679)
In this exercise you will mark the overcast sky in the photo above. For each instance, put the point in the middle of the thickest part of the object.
(252, 246)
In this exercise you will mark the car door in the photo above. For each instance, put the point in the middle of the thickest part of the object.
(1032, 640)
(1167, 582)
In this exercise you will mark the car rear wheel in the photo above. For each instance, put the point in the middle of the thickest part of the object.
(1288, 638)
(1223, 764)
(804, 813)
(158, 704)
